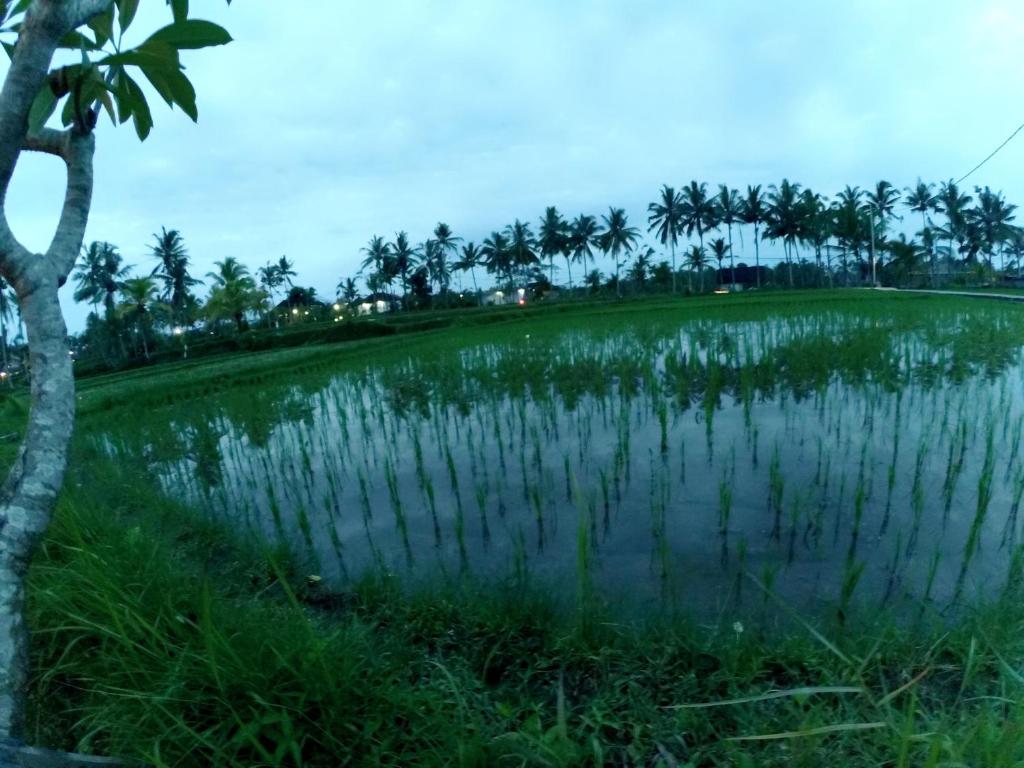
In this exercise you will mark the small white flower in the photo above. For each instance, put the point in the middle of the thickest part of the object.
(737, 627)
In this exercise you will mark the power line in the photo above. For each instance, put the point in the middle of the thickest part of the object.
(994, 152)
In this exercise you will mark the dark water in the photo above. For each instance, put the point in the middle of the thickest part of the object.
(835, 456)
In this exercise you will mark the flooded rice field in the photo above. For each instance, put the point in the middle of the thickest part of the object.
(861, 455)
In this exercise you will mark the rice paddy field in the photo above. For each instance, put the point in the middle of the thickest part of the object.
(754, 530)
(839, 453)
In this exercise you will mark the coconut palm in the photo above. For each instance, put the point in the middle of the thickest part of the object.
(785, 215)
(348, 289)
(696, 259)
(375, 252)
(729, 210)
(497, 256)
(921, 199)
(881, 206)
(139, 302)
(617, 238)
(522, 246)
(719, 249)
(1015, 247)
(286, 270)
(403, 257)
(99, 276)
(172, 270)
(954, 204)
(583, 237)
(666, 221)
(850, 226)
(639, 269)
(699, 211)
(817, 222)
(472, 257)
(904, 257)
(755, 212)
(553, 238)
(994, 217)
(233, 293)
(448, 244)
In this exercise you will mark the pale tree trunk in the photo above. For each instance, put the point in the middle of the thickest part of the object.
(30, 491)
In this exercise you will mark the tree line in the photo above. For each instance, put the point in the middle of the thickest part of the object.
(848, 239)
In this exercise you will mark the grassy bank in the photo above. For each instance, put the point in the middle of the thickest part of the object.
(164, 637)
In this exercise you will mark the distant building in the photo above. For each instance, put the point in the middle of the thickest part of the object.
(376, 303)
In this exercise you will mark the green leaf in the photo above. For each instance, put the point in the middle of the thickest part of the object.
(102, 26)
(141, 115)
(9, 48)
(95, 89)
(192, 34)
(126, 12)
(42, 107)
(122, 96)
(175, 88)
(180, 10)
(152, 53)
(76, 40)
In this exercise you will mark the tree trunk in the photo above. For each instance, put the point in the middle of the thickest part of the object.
(32, 485)
(673, 242)
(732, 258)
(757, 255)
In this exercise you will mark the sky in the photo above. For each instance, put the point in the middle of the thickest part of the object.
(322, 127)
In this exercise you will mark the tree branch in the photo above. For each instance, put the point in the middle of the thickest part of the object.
(67, 240)
(48, 141)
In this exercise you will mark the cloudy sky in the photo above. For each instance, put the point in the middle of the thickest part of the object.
(322, 127)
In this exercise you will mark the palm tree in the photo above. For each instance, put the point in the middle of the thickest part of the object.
(286, 270)
(904, 257)
(851, 229)
(696, 258)
(348, 289)
(666, 220)
(233, 293)
(921, 199)
(637, 273)
(817, 223)
(521, 245)
(472, 257)
(583, 238)
(954, 205)
(100, 276)
(755, 212)
(719, 249)
(447, 245)
(994, 217)
(1015, 243)
(881, 205)
(404, 259)
(616, 238)
(785, 218)
(729, 210)
(375, 252)
(172, 271)
(553, 237)
(138, 305)
(497, 256)
(699, 211)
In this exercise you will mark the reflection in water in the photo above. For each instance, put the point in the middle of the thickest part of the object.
(835, 456)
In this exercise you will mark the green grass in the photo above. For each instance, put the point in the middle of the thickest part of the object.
(161, 636)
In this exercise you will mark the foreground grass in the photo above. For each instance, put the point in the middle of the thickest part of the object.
(163, 638)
